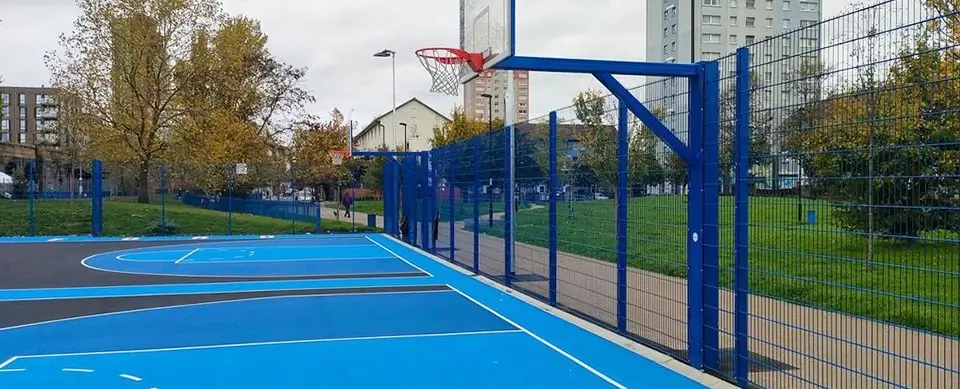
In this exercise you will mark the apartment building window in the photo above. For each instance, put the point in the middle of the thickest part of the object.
(769, 4)
(23, 99)
(6, 111)
(808, 43)
(711, 55)
(751, 4)
(786, 24)
(733, 39)
(23, 112)
(5, 99)
(769, 23)
(711, 38)
(5, 130)
(807, 23)
(808, 6)
(712, 3)
(751, 22)
(733, 3)
(750, 39)
(733, 21)
(786, 5)
(711, 20)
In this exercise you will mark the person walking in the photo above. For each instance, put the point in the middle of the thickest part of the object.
(347, 203)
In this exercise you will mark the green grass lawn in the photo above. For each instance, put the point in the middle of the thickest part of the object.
(127, 218)
(463, 210)
(820, 265)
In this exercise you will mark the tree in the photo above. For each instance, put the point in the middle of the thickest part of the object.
(887, 144)
(461, 127)
(119, 69)
(312, 143)
(599, 135)
(644, 167)
(675, 172)
(760, 129)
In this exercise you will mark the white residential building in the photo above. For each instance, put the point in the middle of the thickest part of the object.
(415, 120)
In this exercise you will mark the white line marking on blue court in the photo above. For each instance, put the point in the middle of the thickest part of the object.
(544, 341)
(399, 257)
(266, 236)
(75, 370)
(217, 260)
(12, 370)
(56, 239)
(187, 255)
(131, 377)
(216, 302)
(7, 362)
(282, 342)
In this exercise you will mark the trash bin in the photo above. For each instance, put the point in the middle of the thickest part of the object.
(811, 216)
(372, 220)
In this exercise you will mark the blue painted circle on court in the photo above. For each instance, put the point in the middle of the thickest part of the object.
(347, 257)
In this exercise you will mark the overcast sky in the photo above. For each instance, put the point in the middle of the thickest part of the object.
(335, 39)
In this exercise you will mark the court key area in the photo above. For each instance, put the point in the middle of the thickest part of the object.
(337, 311)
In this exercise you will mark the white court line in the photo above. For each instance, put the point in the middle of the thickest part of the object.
(544, 341)
(12, 370)
(73, 370)
(185, 256)
(7, 362)
(399, 257)
(220, 302)
(208, 261)
(282, 342)
(131, 377)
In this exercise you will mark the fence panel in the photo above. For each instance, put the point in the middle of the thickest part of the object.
(657, 305)
(854, 227)
(586, 222)
(491, 249)
(531, 213)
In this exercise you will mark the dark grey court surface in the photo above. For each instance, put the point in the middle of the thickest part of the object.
(58, 265)
(17, 313)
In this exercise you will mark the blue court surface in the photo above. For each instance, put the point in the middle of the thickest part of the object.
(380, 315)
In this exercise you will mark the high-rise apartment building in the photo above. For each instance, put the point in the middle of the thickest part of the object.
(494, 83)
(28, 118)
(694, 30)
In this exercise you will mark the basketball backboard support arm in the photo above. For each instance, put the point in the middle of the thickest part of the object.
(603, 71)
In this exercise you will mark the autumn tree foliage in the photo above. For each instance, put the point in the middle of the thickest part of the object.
(461, 127)
(176, 81)
(312, 142)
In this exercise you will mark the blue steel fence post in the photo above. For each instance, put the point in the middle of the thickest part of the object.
(96, 186)
(452, 155)
(316, 222)
(163, 197)
(476, 204)
(508, 208)
(623, 140)
(386, 196)
(434, 205)
(553, 184)
(695, 223)
(711, 216)
(230, 201)
(32, 192)
(427, 203)
(741, 249)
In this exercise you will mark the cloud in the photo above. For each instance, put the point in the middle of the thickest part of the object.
(336, 40)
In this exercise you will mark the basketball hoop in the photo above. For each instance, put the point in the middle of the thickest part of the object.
(337, 156)
(445, 65)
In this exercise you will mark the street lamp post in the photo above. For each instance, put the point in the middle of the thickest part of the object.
(393, 57)
(383, 134)
(406, 146)
(489, 98)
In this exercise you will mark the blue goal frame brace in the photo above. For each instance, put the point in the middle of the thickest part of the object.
(701, 155)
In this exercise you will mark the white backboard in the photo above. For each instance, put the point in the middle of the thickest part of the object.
(486, 26)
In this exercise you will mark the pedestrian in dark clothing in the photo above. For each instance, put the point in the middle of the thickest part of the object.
(347, 203)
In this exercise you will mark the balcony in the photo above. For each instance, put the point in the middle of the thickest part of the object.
(45, 100)
(45, 126)
(47, 113)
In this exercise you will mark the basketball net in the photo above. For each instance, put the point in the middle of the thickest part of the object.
(337, 156)
(444, 66)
